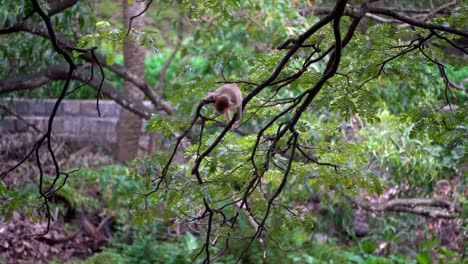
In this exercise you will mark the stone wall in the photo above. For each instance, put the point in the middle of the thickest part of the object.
(76, 120)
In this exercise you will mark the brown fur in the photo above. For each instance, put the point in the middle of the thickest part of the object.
(225, 98)
(222, 103)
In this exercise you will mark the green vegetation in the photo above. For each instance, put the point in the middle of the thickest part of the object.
(388, 125)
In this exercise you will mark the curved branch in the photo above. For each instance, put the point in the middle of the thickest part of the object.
(424, 207)
(129, 28)
(416, 23)
(59, 72)
(167, 63)
(59, 5)
(460, 86)
(18, 116)
(55, 7)
(432, 13)
(47, 137)
(120, 70)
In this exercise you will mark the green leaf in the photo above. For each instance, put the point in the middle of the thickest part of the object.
(102, 24)
(110, 58)
(424, 258)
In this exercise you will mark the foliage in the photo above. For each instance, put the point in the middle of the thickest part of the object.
(179, 73)
(414, 161)
(144, 245)
(112, 183)
(17, 200)
(366, 85)
(381, 119)
(14, 47)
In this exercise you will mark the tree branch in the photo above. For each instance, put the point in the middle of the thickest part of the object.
(417, 23)
(59, 72)
(15, 114)
(414, 206)
(167, 63)
(58, 6)
(120, 70)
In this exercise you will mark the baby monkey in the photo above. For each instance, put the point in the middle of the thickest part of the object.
(224, 98)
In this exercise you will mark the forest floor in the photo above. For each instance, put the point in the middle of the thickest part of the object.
(72, 233)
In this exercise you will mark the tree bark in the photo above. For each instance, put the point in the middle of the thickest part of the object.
(129, 125)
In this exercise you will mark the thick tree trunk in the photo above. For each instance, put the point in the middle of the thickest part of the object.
(129, 125)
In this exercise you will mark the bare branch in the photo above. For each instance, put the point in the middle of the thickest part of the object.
(129, 28)
(424, 207)
(121, 71)
(59, 72)
(439, 9)
(58, 6)
(417, 23)
(167, 63)
(47, 137)
(13, 113)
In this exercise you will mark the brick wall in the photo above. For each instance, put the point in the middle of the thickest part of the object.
(76, 120)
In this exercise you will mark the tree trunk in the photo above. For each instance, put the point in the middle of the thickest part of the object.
(129, 125)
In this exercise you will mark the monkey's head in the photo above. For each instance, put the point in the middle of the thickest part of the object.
(222, 103)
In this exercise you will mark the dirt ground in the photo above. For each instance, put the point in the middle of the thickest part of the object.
(73, 234)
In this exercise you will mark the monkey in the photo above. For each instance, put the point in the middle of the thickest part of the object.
(224, 98)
